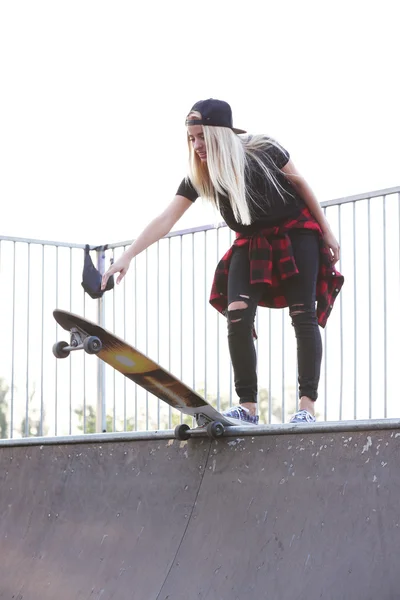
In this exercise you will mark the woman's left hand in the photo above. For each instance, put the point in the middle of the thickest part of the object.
(333, 245)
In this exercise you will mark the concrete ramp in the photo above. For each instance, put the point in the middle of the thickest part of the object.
(311, 513)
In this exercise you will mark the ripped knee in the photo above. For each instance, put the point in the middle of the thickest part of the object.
(236, 308)
(297, 309)
(301, 313)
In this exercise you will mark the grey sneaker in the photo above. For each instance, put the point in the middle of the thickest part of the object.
(242, 413)
(303, 416)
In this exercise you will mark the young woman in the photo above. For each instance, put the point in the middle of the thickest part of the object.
(283, 255)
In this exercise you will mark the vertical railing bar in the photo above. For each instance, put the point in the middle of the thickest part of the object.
(1, 288)
(341, 326)
(135, 320)
(269, 366)
(205, 316)
(158, 328)
(231, 384)
(181, 311)
(28, 307)
(124, 329)
(193, 316)
(398, 229)
(13, 351)
(114, 372)
(326, 374)
(147, 326)
(325, 368)
(355, 310)
(101, 407)
(84, 370)
(369, 310)
(56, 362)
(169, 323)
(218, 340)
(70, 362)
(283, 367)
(27, 346)
(257, 350)
(384, 310)
(398, 232)
(42, 349)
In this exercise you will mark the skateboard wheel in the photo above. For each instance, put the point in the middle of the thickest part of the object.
(92, 345)
(182, 432)
(59, 351)
(215, 429)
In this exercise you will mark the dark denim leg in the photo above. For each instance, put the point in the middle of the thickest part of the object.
(240, 325)
(301, 293)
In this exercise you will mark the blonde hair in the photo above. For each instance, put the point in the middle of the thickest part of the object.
(228, 157)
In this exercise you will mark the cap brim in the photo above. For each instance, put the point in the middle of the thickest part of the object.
(238, 130)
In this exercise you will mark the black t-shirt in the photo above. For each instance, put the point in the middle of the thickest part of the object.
(269, 208)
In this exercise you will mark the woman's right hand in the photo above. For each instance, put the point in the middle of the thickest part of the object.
(120, 266)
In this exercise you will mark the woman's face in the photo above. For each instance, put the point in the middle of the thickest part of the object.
(196, 137)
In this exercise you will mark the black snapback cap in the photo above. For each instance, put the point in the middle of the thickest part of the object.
(215, 113)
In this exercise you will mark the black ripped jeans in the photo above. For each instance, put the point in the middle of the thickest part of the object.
(300, 291)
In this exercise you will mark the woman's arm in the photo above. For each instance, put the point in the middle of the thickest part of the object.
(304, 190)
(154, 231)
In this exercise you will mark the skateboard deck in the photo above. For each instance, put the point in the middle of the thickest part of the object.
(139, 368)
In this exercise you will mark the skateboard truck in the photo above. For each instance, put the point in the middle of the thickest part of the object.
(90, 344)
(214, 430)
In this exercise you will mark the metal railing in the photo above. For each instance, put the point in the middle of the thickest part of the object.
(162, 308)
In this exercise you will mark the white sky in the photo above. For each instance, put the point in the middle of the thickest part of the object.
(94, 95)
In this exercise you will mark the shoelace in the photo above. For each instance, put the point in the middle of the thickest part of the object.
(239, 413)
(303, 415)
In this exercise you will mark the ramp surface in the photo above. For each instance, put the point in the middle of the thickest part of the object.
(294, 516)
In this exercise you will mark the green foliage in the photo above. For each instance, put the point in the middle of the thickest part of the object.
(4, 389)
(36, 421)
(90, 425)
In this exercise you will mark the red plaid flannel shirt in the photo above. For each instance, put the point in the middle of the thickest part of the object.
(272, 260)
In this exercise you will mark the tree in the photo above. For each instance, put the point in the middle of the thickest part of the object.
(36, 420)
(90, 425)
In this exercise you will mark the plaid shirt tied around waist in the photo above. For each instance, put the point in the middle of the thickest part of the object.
(272, 261)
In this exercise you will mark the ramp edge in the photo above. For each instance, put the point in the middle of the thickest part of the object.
(246, 431)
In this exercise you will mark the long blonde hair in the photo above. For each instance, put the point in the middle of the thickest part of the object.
(228, 157)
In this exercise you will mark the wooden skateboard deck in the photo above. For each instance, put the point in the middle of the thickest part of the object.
(143, 371)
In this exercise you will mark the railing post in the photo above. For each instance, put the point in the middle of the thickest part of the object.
(101, 380)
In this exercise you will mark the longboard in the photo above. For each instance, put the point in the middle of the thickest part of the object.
(139, 368)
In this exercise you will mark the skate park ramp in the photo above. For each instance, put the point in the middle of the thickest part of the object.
(296, 512)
